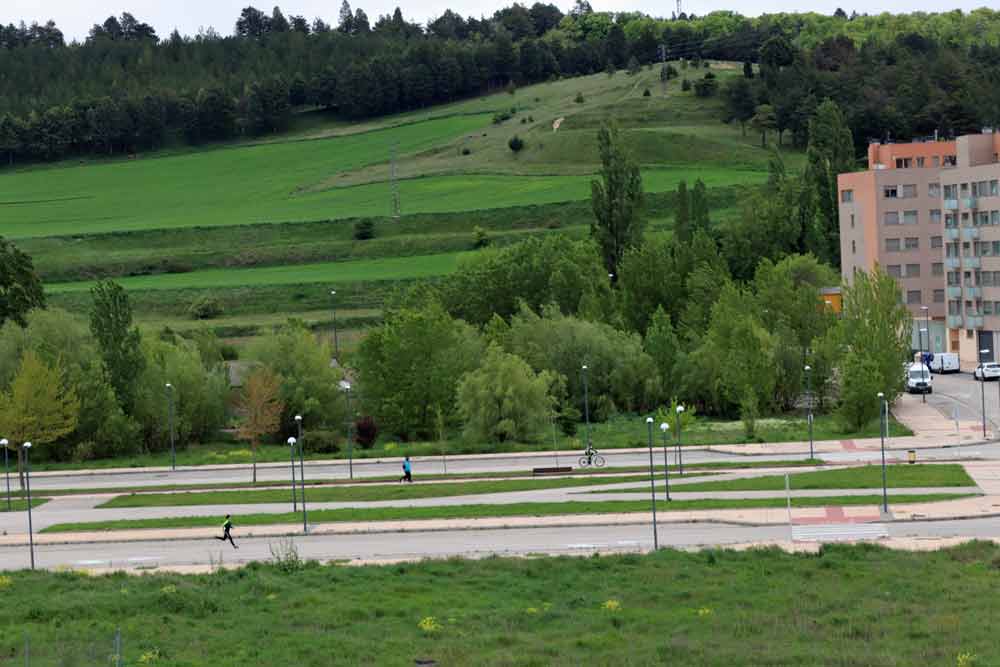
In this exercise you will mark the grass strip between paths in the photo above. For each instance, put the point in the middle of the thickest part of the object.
(487, 511)
(21, 505)
(359, 493)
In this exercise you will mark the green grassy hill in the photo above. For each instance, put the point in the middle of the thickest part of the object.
(268, 226)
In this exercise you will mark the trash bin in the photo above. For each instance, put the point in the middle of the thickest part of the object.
(912, 454)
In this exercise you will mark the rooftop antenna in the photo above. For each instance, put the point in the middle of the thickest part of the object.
(394, 183)
(678, 8)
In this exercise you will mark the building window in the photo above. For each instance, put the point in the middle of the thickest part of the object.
(854, 247)
(949, 160)
(951, 250)
(912, 270)
(934, 190)
(995, 217)
(953, 279)
(913, 296)
(935, 161)
(954, 308)
(986, 278)
(892, 245)
(912, 243)
(964, 189)
(982, 248)
(920, 162)
(936, 242)
(951, 191)
(894, 270)
(890, 192)
(909, 191)
(982, 218)
(994, 188)
(950, 220)
(891, 217)
(910, 218)
(852, 220)
(987, 307)
(996, 247)
(937, 269)
(846, 196)
(936, 216)
(939, 296)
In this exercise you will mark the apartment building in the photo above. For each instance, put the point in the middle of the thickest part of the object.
(929, 214)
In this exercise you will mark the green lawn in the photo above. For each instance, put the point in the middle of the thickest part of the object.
(863, 477)
(359, 493)
(20, 505)
(483, 511)
(847, 605)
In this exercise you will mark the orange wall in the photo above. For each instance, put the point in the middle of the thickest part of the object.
(886, 154)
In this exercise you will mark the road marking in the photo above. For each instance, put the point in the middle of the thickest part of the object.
(90, 562)
(140, 559)
(839, 532)
(585, 546)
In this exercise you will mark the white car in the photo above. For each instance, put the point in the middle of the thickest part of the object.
(918, 379)
(988, 371)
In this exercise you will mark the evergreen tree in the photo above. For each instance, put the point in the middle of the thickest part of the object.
(683, 229)
(616, 199)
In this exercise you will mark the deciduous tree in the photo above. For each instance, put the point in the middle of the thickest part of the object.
(261, 406)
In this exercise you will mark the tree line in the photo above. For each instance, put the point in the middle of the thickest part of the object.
(124, 89)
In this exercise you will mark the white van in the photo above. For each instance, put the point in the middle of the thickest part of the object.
(944, 362)
(918, 379)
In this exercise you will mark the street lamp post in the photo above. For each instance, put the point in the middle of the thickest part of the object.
(677, 425)
(31, 532)
(6, 469)
(652, 483)
(927, 325)
(809, 398)
(333, 308)
(982, 386)
(586, 405)
(170, 425)
(345, 386)
(664, 428)
(883, 426)
(302, 474)
(923, 357)
(291, 456)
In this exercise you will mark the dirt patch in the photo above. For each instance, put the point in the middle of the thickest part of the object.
(556, 123)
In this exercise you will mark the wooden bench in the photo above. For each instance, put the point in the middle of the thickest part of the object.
(535, 472)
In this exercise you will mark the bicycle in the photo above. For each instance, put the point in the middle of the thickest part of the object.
(591, 458)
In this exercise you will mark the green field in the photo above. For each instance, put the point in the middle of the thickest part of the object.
(846, 606)
(333, 273)
(356, 514)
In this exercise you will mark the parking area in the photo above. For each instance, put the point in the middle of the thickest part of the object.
(959, 395)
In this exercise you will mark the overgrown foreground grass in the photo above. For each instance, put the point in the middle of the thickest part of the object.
(487, 511)
(846, 606)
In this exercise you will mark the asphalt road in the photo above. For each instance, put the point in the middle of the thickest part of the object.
(390, 546)
(960, 394)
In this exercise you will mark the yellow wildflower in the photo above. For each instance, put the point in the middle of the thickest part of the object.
(612, 605)
(429, 624)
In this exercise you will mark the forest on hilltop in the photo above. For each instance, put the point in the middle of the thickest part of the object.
(124, 89)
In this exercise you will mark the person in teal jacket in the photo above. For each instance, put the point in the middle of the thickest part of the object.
(407, 471)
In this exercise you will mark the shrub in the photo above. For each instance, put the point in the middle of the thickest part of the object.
(705, 87)
(524, 121)
(646, 93)
(205, 307)
(482, 238)
(705, 64)
(709, 75)
(321, 442)
(579, 98)
(500, 117)
(516, 144)
(633, 66)
(364, 230)
(466, 151)
(531, 119)
(365, 432)
(229, 352)
(686, 85)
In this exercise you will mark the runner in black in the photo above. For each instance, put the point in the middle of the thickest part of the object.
(226, 528)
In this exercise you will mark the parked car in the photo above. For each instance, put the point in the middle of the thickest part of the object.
(988, 371)
(918, 379)
(944, 362)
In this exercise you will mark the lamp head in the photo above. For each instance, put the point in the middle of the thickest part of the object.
(27, 445)
(298, 418)
(680, 409)
(585, 367)
(881, 395)
(808, 368)
(649, 420)
(170, 386)
(3, 442)
(664, 426)
(333, 292)
(292, 441)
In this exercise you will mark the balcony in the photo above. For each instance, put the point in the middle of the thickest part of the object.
(971, 203)
(970, 233)
(951, 204)
(955, 322)
(952, 262)
(974, 292)
(952, 233)
(974, 322)
(970, 262)
(954, 292)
